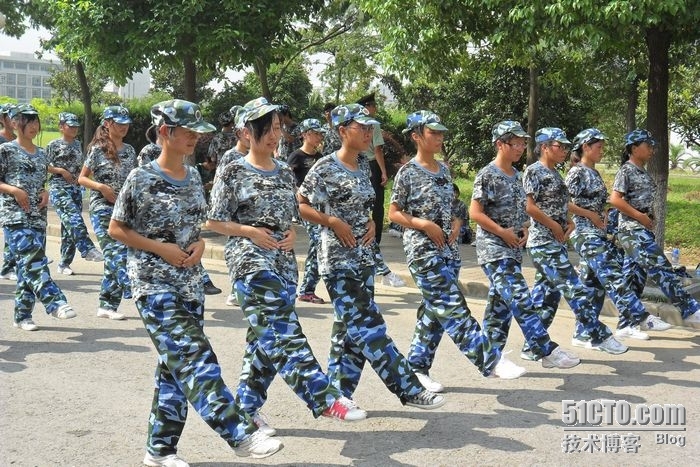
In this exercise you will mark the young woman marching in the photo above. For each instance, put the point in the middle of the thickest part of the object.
(23, 201)
(253, 202)
(109, 160)
(9, 265)
(65, 158)
(633, 195)
(337, 194)
(600, 268)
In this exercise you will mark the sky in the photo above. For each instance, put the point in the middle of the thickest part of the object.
(29, 42)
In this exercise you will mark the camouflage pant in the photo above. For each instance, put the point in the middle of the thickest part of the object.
(555, 277)
(187, 370)
(359, 335)
(444, 309)
(115, 282)
(600, 269)
(509, 297)
(311, 276)
(381, 269)
(276, 344)
(9, 263)
(74, 234)
(642, 252)
(33, 277)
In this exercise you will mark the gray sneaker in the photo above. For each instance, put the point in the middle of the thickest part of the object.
(654, 323)
(26, 325)
(611, 346)
(94, 255)
(426, 400)
(258, 446)
(560, 359)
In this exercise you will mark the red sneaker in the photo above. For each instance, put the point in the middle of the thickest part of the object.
(345, 409)
(311, 298)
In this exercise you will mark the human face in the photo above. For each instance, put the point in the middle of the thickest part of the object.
(357, 136)
(180, 140)
(26, 127)
(267, 144)
(556, 152)
(69, 132)
(117, 130)
(514, 148)
(643, 152)
(594, 152)
(429, 141)
(313, 137)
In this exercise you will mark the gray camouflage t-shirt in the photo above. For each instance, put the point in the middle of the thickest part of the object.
(149, 152)
(638, 189)
(260, 198)
(171, 211)
(587, 190)
(547, 188)
(429, 196)
(28, 172)
(64, 155)
(107, 172)
(230, 155)
(340, 192)
(502, 198)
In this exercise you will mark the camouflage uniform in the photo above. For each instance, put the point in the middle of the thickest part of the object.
(460, 211)
(227, 157)
(265, 284)
(359, 332)
(600, 268)
(25, 232)
(642, 254)
(428, 195)
(149, 152)
(555, 274)
(503, 200)
(115, 282)
(331, 139)
(170, 301)
(9, 263)
(68, 198)
(222, 142)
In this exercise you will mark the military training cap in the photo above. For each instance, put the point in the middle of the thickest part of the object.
(182, 113)
(639, 136)
(423, 118)
(586, 136)
(68, 119)
(23, 109)
(506, 127)
(258, 108)
(311, 124)
(344, 114)
(117, 113)
(546, 134)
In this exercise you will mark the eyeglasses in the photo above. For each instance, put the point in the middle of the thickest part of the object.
(564, 147)
(516, 145)
(362, 128)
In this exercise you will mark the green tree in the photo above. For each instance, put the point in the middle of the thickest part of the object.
(66, 87)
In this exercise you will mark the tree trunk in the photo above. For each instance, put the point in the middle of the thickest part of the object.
(261, 71)
(632, 103)
(190, 78)
(658, 44)
(86, 98)
(532, 111)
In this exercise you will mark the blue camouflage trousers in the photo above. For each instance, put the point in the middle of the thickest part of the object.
(115, 282)
(187, 370)
(275, 344)
(311, 275)
(359, 334)
(74, 234)
(554, 277)
(9, 263)
(601, 270)
(642, 253)
(444, 309)
(33, 277)
(509, 297)
(381, 269)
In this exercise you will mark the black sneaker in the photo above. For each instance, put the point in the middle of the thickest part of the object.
(211, 289)
(426, 400)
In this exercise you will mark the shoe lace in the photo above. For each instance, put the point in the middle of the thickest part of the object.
(424, 397)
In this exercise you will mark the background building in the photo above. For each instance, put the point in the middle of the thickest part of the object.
(25, 77)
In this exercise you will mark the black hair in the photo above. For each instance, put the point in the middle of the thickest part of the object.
(23, 120)
(627, 152)
(577, 154)
(285, 110)
(329, 106)
(152, 134)
(455, 188)
(260, 126)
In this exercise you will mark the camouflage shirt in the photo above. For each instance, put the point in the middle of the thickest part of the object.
(459, 209)
(587, 190)
(638, 189)
(250, 196)
(331, 140)
(150, 152)
(28, 172)
(285, 148)
(64, 155)
(170, 211)
(340, 192)
(107, 172)
(429, 196)
(502, 198)
(548, 190)
(230, 155)
(220, 143)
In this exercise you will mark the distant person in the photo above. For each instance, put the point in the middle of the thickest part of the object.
(224, 139)
(151, 151)
(331, 138)
(23, 211)
(158, 215)
(9, 264)
(290, 139)
(65, 158)
(460, 209)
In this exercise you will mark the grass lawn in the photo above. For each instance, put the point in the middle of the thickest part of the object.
(45, 137)
(682, 218)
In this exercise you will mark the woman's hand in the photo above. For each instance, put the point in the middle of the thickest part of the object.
(369, 236)
(287, 243)
(195, 250)
(262, 237)
(22, 199)
(108, 193)
(343, 232)
(173, 255)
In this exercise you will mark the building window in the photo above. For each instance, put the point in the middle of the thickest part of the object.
(46, 93)
(11, 78)
(36, 93)
(10, 92)
(21, 80)
(36, 81)
(8, 64)
(22, 93)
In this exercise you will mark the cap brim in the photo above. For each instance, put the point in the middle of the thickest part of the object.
(436, 126)
(122, 120)
(261, 111)
(563, 140)
(72, 123)
(519, 134)
(201, 127)
(366, 121)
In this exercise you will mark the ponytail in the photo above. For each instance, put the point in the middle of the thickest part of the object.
(102, 141)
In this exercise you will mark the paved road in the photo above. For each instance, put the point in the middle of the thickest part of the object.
(78, 392)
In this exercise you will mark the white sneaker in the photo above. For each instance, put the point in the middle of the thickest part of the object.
(429, 383)
(559, 358)
(95, 256)
(693, 319)
(10, 276)
(258, 446)
(64, 269)
(632, 332)
(171, 460)
(64, 311)
(394, 233)
(505, 369)
(611, 346)
(261, 422)
(111, 314)
(584, 344)
(654, 323)
(345, 409)
(393, 280)
(232, 300)
(26, 325)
